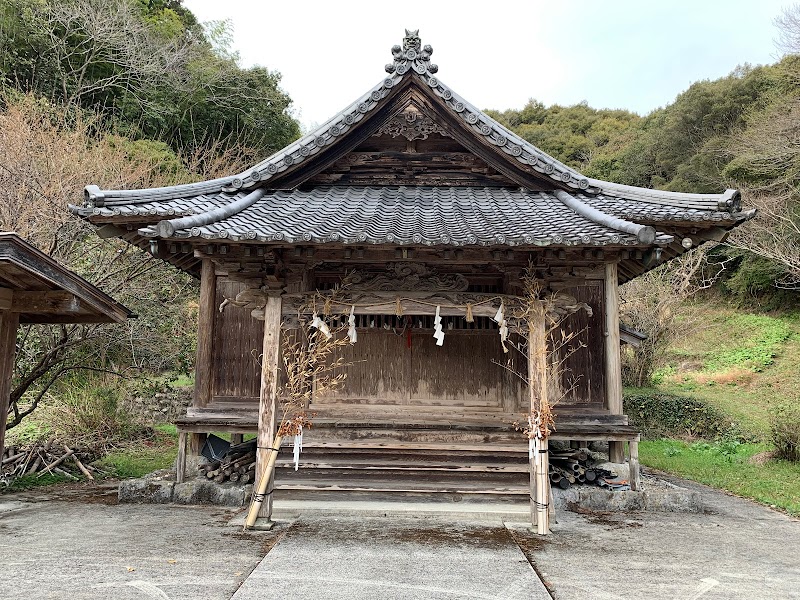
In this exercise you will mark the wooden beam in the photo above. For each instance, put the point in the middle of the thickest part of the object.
(268, 401)
(8, 345)
(40, 302)
(613, 365)
(6, 298)
(204, 361)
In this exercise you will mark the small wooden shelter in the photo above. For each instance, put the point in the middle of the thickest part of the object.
(34, 288)
(423, 205)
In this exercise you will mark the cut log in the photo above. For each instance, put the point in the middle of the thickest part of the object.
(13, 458)
(83, 469)
(54, 464)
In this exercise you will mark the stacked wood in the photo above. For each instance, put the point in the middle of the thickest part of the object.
(50, 457)
(569, 467)
(237, 466)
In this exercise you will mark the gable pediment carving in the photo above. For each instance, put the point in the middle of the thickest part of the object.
(412, 124)
(405, 276)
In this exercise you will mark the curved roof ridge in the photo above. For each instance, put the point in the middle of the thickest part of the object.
(644, 233)
(168, 227)
(407, 61)
(728, 201)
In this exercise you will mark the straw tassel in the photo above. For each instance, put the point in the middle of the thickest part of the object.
(398, 307)
(470, 318)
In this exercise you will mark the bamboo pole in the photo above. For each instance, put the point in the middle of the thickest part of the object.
(55, 463)
(267, 442)
(542, 489)
(537, 388)
(259, 494)
(78, 462)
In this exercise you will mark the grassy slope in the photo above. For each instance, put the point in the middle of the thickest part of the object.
(775, 483)
(741, 363)
(738, 362)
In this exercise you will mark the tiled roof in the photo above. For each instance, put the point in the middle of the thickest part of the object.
(411, 60)
(243, 207)
(396, 215)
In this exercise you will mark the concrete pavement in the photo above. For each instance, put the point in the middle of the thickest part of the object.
(77, 544)
(394, 558)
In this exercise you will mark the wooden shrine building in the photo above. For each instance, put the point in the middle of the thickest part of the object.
(34, 288)
(418, 202)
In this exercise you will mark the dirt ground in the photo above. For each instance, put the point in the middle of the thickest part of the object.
(75, 542)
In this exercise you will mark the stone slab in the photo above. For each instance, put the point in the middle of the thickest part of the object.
(393, 558)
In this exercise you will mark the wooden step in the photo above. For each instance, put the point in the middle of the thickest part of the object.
(404, 467)
(395, 488)
(370, 445)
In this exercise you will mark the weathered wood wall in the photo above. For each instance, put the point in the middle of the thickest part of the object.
(236, 349)
(583, 371)
(385, 372)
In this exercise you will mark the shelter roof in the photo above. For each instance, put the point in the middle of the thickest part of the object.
(540, 201)
(43, 291)
(421, 215)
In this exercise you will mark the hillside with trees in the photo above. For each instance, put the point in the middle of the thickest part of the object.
(122, 94)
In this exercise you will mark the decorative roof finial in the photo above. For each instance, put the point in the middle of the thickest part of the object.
(412, 55)
(412, 41)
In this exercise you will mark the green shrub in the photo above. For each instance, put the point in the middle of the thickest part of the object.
(89, 412)
(663, 415)
(785, 430)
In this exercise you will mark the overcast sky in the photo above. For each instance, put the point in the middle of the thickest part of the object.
(629, 54)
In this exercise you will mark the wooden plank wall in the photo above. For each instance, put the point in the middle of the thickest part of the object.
(583, 370)
(385, 371)
(237, 346)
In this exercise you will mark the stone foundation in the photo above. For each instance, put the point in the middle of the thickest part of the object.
(160, 488)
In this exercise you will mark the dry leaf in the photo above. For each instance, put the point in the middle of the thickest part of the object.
(131, 569)
(171, 561)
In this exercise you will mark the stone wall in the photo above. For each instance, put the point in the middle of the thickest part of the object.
(162, 406)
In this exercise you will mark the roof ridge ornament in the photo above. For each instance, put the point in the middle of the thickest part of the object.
(412, 55)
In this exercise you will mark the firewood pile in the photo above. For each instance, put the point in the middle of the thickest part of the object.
(569, 467)
(48, 458)
(237, 466)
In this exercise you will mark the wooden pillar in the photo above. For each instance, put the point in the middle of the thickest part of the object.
(180, 462)
(204, 360)
(537, 389)
(268, 402)
(9, 321)
(613, 366)
(635, 476)
(236, 438)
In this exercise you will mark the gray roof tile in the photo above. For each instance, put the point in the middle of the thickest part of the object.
(420, 215)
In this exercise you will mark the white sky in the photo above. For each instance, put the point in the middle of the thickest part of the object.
(634, 54)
